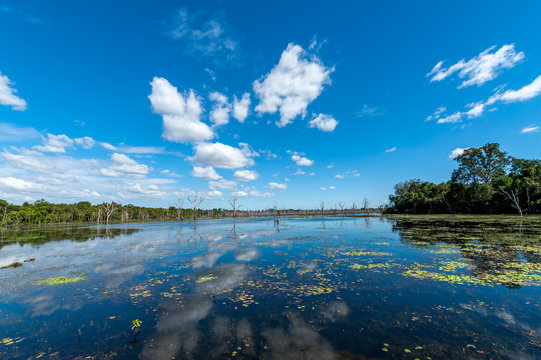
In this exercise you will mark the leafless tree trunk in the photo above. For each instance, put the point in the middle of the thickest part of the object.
(196, 201)
(110, 208)
(322, 206)
(99, 214)
(341, 206)
(513, 196)
(366, 204)
(234, 205)
(179, 207)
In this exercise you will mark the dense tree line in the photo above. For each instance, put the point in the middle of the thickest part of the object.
(43, 212)
(487, 181)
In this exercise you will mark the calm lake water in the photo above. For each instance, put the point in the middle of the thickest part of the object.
(333, 288)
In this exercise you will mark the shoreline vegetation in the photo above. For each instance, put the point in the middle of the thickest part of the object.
(487, 181)
(83, 213)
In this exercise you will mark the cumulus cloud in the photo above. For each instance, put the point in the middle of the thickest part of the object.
(180, 113)
(222, 184)
(241, 107)
(210, 38)
(291, 85)
(277, 186)
(136, 191)
(85, 142)
(207, 173)
(480, 69)
(457, 152)
(323, 122)
(391, 149)
(213, 194)
(14, 133)
(300, 160)
(246, 175)
(11, 183)
(477, 109)
(55, 144)
(251, 193)
(219, 114)
(221, 156)
(349, 173)
(7, 95)
(123, 165)
(529, 129)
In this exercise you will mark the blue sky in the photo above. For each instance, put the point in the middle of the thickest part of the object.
(277, 102)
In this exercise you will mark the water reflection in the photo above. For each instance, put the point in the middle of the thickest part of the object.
(308, 288)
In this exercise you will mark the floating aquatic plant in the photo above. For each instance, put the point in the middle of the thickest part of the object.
(206, 278)
(59, 280)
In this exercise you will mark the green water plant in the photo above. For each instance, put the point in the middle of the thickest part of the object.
(59, 280)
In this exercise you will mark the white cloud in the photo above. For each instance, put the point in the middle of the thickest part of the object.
(299, 172)
(477, 109)
(332, 187)
(437, 113)
(7, 95)
(55, 144)
(527, 92)
(324, 123)
(480, 69)
(210, 38)
(85, 142)
(15, 133)
(213, 194)
(12, 183)
(207, 173)
(180, 113)
(123, 165)
(277, 186)
(222, 184)
(251, 193)
(367, 111)
(241, 107)
(529, 129)
(246, 175)
(219, 114)
(300, 160)
(137, 191)
(221, 156)
(108, 146)
(457, 152)
(391, 149)
(291, 85)
(349, 173)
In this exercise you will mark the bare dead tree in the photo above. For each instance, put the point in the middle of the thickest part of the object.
(512, 195)
(322, 206)
(109, 208)
(99, 214)
(353, 207)
(235, 205)
(196, 201)
(340, 205)
(178, 207)
(366, 204)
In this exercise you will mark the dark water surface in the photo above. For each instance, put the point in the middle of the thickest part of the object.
(333, 288)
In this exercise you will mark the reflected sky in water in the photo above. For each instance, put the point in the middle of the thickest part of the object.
(312, 288)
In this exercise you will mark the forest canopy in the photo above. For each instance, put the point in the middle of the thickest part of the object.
(486, 181)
